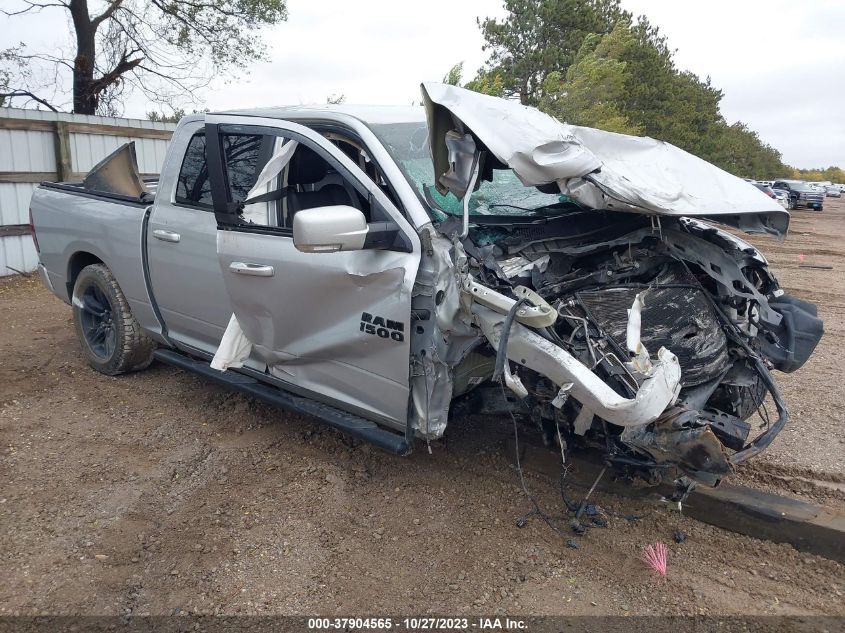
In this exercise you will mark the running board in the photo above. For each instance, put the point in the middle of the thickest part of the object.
(341, 420)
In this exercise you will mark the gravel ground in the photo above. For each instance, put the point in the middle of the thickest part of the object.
(157, 493)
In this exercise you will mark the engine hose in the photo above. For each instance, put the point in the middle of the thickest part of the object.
(502, 352)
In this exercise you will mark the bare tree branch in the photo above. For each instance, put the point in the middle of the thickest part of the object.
(34, 7)
(167, 49)
(25, 93)
(48, 58)
(105, 15)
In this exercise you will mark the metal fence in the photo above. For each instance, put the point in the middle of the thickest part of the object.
(37, 146)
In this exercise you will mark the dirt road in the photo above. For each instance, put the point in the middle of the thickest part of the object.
(157, 493)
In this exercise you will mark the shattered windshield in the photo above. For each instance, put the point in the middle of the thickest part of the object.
(407, 143)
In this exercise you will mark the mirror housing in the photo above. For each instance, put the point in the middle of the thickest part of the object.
(329, 229)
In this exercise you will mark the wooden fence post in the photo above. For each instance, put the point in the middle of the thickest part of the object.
(64, 165)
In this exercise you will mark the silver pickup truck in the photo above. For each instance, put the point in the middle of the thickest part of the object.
(391, 269)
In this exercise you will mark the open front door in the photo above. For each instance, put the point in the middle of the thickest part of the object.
(331, 325)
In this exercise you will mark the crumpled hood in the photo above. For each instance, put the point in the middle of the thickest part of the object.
(596, 168)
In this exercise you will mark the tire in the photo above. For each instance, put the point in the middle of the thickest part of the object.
(111, 338)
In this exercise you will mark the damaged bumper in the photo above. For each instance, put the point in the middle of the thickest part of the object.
(531, 350)
(663, 429)
(561, 292)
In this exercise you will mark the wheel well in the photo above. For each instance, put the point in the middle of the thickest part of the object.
(78, 261)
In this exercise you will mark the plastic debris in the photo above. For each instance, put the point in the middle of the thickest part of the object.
(655, 557)
(592, 510)
(573, 544)
(678, 536)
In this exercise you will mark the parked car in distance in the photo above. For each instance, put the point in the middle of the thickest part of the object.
(801, 194)
(782, 196)
(764, 188)
(833, 192)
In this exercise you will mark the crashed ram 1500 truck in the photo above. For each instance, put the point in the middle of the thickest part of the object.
(390, 269)
(639, 329)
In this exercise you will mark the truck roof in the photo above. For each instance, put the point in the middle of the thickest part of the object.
(370, 114)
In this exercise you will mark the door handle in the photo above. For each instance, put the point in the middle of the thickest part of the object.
(166, 236)
(247, 268)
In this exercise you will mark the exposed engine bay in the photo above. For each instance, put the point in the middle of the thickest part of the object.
(675, 311)
(619, 318)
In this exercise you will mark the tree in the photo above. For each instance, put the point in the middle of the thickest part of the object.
(488, 83)
(539, 37)
(175, 116)
(15, 74)
(832, 174)
(167, 49)
(593, 90)
(589, 63)
(740, 151)
(453, 77)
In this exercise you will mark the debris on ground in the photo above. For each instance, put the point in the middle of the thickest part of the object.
(655, 557)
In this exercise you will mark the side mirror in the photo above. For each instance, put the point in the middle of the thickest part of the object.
(329, 229)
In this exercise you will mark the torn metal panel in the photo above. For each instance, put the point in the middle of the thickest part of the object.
(442, 333)
(117, 173)
(533, 351)
(600, 170)
(536, 146)
(678, 437)
(583, 421)
(541, 314)
(722, 267)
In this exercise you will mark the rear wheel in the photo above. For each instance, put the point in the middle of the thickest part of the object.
(111, 338)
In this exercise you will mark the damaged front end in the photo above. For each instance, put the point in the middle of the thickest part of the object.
(648, 335)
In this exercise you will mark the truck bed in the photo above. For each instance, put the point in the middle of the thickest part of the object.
(80, 189)
(76, 227)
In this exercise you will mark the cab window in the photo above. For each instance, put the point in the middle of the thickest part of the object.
(299, 178)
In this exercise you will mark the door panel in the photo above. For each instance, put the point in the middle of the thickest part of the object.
(305, 321)
(334, 324)
(181, 243)
(185, 276)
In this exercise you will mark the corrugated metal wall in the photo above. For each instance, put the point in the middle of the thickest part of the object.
(30, 146)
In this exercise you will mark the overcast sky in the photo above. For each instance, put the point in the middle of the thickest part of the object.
(780, 63)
